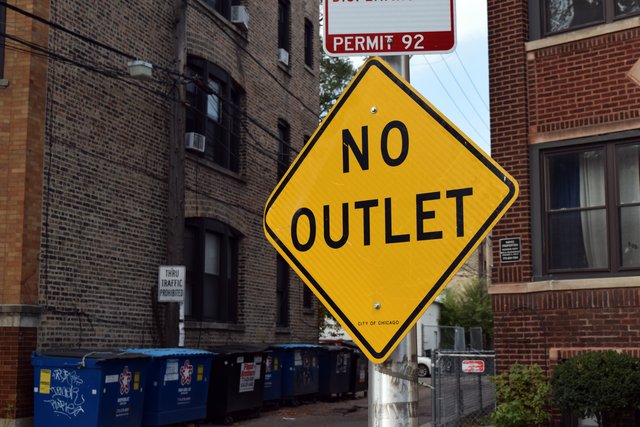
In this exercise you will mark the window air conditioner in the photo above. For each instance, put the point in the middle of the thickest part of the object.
(283, 56)
(194, 141)
(240, 16)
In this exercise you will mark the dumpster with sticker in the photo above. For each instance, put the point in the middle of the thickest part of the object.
(335, 370)
(82, 388)
(272, 377)
(177, 385)
(300, 372)
(237, 383)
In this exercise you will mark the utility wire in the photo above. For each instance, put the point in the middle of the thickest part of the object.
(464, 93)
(471, 80)
(454, 101)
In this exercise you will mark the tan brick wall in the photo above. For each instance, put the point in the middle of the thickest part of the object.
(21, 158)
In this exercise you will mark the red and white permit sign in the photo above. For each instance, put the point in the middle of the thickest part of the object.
(381, 27)
(473, 366)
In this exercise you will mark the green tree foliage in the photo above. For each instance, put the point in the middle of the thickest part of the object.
(522, 395)
(603, 385)
(468, 305)
(335, 74)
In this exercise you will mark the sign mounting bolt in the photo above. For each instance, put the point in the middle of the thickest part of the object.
(374, 109)
(377, 305)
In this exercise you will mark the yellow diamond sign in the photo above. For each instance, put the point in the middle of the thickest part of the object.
(382, 206)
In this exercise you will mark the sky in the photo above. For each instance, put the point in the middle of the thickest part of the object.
(457, 83)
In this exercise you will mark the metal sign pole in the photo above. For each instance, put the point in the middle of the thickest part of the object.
(393, 384)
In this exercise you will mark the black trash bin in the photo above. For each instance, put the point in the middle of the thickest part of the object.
(237, 383)
(359, 379)
(335, 370)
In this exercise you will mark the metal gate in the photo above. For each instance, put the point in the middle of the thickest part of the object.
(463, 394)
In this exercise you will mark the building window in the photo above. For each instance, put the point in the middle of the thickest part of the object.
(591, 209)
(564, 15)
(215, 110)
(284, 25)
(282, 293)
(308, 43)
(211, 259)
(3, 18)
(223, 7)
(284, 148)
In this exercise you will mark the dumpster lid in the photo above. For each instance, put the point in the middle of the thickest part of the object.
(168, 352)
(298, 345)
(84, 354)
(333, 347)
(238, 349)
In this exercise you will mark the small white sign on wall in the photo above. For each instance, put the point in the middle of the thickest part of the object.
(171, 283)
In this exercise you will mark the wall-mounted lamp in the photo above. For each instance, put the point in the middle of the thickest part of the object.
(140, 69)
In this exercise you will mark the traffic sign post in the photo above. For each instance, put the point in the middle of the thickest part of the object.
(382, 206)
(366, 27)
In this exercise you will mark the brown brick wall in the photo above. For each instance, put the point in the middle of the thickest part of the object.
(508, 28)
(584, 83)
(16, 373)
(545, 327)
(108, 151)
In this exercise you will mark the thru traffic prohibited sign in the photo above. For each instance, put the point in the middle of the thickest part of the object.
(382, 206)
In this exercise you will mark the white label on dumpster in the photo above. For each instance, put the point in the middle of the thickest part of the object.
(247, 377)
(171, 372)
(111, 379)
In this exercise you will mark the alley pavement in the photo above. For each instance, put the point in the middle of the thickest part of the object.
(343, 412)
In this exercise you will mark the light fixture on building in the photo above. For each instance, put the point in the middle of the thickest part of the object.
(140, 69)
(634, 73)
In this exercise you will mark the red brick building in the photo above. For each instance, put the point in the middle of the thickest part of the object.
(565, 122)
(84, 169)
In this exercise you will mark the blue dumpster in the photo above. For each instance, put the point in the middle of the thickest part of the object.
(300, 372)
(335, 370)
(77, 388)
(177, 385)
(237, 382)
(272, 377)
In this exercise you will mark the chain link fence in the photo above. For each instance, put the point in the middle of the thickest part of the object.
(463, 394)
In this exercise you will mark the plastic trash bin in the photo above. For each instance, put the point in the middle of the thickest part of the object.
(176, 386)
(300, 372)
(83, 388)
(237, 382)
(335, 370)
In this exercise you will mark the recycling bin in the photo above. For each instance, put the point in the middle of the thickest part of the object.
(176, 386)
(83, 388)
(335, 370)
(300, 371)
(272, 377)
(237, 382)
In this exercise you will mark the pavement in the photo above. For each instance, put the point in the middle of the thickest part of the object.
(338, 412)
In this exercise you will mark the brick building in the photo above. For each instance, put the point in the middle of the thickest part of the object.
(85, 165)
(565, 123)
